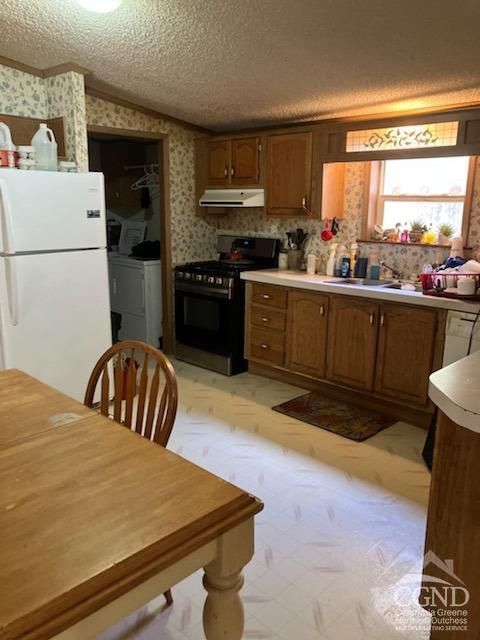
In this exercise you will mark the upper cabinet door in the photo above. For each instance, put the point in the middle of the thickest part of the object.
(218, 162)
(352, 342)
(289, 173)
(405, 352)
(244, 170)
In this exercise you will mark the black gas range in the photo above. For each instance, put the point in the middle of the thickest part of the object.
(210, 303)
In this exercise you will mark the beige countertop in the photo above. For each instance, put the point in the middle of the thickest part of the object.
(456, 391)
(317, 282)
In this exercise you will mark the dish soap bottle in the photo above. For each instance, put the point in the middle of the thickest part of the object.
(45, 149)
(330, 270)
(342, 264)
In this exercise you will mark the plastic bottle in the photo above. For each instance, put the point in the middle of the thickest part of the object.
(374, 259)
(45, 149)
(341, 253)
(8, 153)
(353, 257)
(330, 270)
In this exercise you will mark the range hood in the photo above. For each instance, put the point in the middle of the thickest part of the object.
(233, 198)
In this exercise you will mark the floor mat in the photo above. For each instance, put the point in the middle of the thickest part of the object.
(337, 417)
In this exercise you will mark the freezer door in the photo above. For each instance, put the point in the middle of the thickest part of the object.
(55, 316)
(50, 211)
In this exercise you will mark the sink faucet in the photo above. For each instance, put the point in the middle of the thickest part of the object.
(395, 272)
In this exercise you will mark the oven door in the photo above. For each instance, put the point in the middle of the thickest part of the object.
(204, 318)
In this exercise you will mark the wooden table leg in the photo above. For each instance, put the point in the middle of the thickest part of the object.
(223, 617)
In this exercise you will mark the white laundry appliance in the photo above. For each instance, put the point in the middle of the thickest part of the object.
(54, 295)
(136, 296)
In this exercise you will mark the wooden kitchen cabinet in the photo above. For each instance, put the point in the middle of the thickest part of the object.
(406, 345)
(244, 168)
(218, 162)
(307, 321)
(333, 190)
(289, 173)
(233, 162)
(352, 342)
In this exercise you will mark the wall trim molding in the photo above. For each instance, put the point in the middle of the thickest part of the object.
(72, 66)
(362, 119)
(108, 97)
(44, 73)
(65, 68)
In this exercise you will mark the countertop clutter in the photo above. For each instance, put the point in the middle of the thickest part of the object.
(329, 284)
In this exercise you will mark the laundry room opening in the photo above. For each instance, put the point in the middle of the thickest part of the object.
(138, 232)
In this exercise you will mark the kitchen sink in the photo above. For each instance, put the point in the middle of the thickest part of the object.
(365, 282)
(398, 285)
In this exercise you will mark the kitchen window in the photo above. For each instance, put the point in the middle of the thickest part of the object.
(435, 191)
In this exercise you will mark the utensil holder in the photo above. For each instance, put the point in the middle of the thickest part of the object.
(294, 259)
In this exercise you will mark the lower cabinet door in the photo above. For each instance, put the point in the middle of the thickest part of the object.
(307, 322)
(406, 345)
(352, 342)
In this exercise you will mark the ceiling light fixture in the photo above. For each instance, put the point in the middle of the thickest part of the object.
(100, 6)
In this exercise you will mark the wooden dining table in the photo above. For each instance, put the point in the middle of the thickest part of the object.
(97, 521)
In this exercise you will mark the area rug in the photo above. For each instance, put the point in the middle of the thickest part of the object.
(337, 417)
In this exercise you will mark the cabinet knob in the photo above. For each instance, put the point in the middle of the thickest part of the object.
(265, 296)
(382, 319)
(372, 318)
(226, 171)
(304, 201)
(232, 171)
(322, 310)
(264, 346)
(265, 320)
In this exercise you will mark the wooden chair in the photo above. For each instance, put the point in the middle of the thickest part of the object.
(147, 417)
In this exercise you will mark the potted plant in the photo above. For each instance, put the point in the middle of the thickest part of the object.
(417, 229)
(445, 232)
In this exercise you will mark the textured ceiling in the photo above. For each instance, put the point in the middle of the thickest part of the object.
(226, 64)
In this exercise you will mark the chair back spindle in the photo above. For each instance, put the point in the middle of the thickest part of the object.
(145, 394)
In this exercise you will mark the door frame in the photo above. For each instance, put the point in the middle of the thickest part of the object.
(165, 219)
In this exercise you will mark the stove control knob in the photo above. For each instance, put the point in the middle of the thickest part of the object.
(180, 274)
(199, 277)
(188, 276)
(219, 280)
(211, 280)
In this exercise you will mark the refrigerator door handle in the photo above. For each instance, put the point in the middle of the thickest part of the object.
(12, 289)
(6, 220)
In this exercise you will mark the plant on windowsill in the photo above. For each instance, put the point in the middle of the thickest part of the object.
(445, 232)
(417, 229)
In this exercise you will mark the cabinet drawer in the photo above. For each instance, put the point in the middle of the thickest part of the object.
(267, 345)
(269, 295)
(269, 318)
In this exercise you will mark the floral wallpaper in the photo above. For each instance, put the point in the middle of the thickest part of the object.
(192, 237)
(66, 97)
(22, 94)
(408, 259)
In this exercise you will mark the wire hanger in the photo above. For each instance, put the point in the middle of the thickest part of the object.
(149, 178)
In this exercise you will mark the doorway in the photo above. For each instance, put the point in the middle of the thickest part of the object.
(135, 166)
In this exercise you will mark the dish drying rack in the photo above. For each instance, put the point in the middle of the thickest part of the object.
(437, 284)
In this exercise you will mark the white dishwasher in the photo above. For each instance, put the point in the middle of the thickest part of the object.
(462, 336)
(136, 294)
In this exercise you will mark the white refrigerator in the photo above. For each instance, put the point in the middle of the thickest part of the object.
(54, 292)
